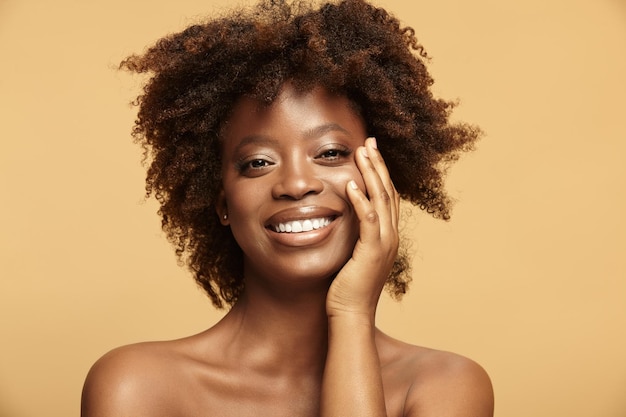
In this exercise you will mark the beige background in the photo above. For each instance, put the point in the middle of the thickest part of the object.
(529, 277)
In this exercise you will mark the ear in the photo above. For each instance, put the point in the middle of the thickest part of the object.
(221, 208)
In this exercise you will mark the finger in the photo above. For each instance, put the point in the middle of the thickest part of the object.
(369, 226)
(381, 199)
(381, 168)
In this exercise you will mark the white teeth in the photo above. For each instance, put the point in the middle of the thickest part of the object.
(298, 226)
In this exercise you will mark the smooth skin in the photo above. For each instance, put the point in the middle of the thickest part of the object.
(302, 340)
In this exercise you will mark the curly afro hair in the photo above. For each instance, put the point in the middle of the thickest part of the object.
(350, 47)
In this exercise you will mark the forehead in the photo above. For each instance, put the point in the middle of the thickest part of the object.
(293, 113)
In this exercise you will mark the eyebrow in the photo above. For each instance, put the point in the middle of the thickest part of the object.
(325, 128)
(309, 134)
(257, 140)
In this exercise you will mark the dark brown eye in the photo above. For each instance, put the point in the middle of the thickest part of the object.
(334, 154)
(253, 167)
(258, 163)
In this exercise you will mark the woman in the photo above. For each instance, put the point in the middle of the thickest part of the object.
(266, 131)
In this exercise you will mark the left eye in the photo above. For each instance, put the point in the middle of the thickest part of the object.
(333, 154)
(258, 163)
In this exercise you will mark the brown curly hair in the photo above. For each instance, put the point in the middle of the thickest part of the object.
(349, 47)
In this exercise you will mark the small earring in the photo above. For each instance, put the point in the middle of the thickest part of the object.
(225, 217)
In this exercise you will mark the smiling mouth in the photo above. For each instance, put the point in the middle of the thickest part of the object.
(300, 226)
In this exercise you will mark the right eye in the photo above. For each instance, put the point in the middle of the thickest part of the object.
(257, 163)
(254, 166)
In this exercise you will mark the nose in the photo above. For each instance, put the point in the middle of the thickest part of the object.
(296, 179)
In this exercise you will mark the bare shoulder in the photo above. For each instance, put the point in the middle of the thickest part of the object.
(131, 380)
(437, 383)
(447, 384)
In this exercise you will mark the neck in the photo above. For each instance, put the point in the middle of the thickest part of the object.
(279, 332)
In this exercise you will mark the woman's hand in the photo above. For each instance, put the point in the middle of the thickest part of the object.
(352, 384)
(357, 287)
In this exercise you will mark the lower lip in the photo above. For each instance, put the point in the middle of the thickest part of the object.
(312, 237)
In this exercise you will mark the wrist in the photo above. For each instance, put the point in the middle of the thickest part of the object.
(352, 309)
(349, 318)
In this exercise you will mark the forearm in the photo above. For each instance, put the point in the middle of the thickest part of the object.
(352, 384)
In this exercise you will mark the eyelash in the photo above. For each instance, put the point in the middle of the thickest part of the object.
(247, 165)
(339, 152)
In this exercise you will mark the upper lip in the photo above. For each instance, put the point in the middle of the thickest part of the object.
(301, 213)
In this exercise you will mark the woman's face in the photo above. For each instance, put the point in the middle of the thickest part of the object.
(285, 170)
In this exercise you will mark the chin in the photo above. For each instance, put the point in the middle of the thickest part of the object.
(303, 267)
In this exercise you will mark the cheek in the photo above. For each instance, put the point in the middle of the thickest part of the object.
(358, 178)
(341, 176)
(355, 174)
(242, 207)
(241, 201)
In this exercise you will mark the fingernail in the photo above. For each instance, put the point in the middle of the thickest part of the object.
(374, 144)
(353, 185)
(364, 152)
